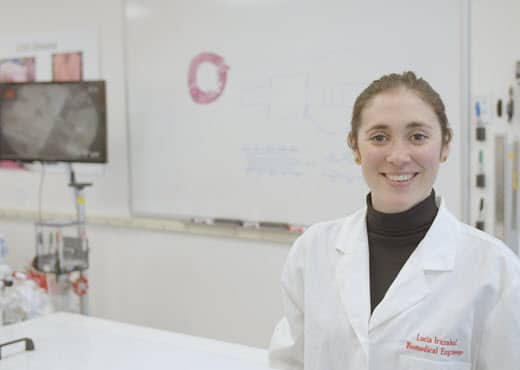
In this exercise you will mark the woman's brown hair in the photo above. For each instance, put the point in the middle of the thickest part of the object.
(407, 80)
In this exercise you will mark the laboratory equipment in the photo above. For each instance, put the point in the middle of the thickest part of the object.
(62, 250)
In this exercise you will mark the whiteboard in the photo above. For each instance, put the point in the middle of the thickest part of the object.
(240, 108)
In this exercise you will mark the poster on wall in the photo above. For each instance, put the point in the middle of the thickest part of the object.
(17, 70)
(62, 57)
(67, 66)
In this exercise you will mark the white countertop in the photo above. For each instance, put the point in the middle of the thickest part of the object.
(65, 341)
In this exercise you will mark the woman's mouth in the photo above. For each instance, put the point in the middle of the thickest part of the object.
(401, 178)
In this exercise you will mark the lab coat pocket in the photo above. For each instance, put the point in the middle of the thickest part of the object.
(413, 363)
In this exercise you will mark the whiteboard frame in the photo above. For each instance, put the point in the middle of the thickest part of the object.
(465, 142)
(465, 127)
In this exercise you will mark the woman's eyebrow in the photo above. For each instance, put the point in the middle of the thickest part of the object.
(417, 124)
(380, 126)
(411, 125)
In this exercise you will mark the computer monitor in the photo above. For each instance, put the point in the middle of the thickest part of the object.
(53, 121)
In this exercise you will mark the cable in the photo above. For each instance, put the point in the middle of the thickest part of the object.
(40, 191)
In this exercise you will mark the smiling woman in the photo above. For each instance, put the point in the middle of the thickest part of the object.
(358, 290)
(399, 144)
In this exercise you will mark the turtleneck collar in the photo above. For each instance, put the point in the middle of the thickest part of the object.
(417, 218)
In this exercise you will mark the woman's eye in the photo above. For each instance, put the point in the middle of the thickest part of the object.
(379, 138)
(419, 137)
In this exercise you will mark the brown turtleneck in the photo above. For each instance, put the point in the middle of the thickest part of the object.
(392, 237)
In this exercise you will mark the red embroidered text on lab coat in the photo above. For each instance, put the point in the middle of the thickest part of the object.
(434, 345)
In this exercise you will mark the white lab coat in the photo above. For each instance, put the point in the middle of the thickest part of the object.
(454, 305)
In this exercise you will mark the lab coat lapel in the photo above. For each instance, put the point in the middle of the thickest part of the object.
(352, 274)
(408, 288)
(436, 252)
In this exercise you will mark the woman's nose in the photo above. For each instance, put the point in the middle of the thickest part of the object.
(398, 154)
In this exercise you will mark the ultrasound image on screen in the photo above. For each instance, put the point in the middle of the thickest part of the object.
(53, 122)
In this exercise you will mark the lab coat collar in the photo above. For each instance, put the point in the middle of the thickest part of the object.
(439, 246)
(436, 252)
(439, 255)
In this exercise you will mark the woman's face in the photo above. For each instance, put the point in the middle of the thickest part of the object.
(400, 147)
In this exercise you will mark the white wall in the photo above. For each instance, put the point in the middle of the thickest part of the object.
(225, 289)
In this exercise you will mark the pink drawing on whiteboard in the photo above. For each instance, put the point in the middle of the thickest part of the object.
(205, 97)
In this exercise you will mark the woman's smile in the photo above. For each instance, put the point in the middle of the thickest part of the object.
(400, 179)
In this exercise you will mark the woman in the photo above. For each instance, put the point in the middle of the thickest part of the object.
(400, 284)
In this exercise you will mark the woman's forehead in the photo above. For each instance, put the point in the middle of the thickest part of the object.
(400, 108)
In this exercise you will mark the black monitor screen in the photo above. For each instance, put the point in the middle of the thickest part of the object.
(53, 121)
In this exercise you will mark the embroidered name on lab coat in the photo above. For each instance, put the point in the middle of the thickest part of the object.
(435, 346)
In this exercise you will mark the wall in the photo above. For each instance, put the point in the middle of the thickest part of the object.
(226, 289)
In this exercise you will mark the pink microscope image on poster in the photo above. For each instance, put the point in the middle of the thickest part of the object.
(67, 66)
(17, 70)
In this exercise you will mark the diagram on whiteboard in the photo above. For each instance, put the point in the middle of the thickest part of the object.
(304, 99)
(273, 160)
(289, 161)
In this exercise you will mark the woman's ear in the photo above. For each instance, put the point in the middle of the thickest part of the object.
(353, 146)
(351, 141)
(445, 151)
